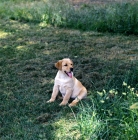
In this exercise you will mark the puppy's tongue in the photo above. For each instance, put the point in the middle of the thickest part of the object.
(70, 74)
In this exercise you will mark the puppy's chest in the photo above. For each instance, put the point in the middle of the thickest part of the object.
(64, 84)
(62, 90)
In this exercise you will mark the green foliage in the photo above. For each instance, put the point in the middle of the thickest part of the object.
(107, 115)
(49, 12)
(115, 17)
(89, 124)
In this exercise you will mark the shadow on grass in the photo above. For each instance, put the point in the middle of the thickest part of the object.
(28, 53)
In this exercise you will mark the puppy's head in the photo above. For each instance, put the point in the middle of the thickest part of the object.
(66, 66)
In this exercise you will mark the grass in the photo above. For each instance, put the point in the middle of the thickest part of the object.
(105, 63)
(117, 17)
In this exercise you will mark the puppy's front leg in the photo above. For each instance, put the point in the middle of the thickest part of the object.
(66, 97)
(54, 94)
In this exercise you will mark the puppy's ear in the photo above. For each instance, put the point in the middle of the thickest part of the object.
(58, 65)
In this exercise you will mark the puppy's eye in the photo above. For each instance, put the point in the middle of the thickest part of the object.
(71, 64)
(65, 65)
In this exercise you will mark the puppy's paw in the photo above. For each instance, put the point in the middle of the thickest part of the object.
(63, 103)
(50, 101)
(73, 104)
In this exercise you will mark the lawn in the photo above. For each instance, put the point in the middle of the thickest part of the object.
(105, 62)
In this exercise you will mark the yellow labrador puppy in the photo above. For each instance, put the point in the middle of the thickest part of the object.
(67, 84)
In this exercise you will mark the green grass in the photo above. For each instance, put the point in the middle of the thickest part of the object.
(118, 17)
(107, 64)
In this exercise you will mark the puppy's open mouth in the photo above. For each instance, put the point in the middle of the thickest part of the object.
(70, 74)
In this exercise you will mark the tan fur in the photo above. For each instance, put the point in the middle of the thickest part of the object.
(58, 65)
(67, 84)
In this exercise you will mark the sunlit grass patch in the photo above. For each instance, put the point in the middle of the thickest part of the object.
(3, 34)
(88, 123)
(20, 47)
(64, 129)
(83, 125)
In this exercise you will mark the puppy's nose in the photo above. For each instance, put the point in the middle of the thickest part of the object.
(71, 69)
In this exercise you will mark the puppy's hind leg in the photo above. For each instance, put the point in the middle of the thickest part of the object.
(82, 94)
